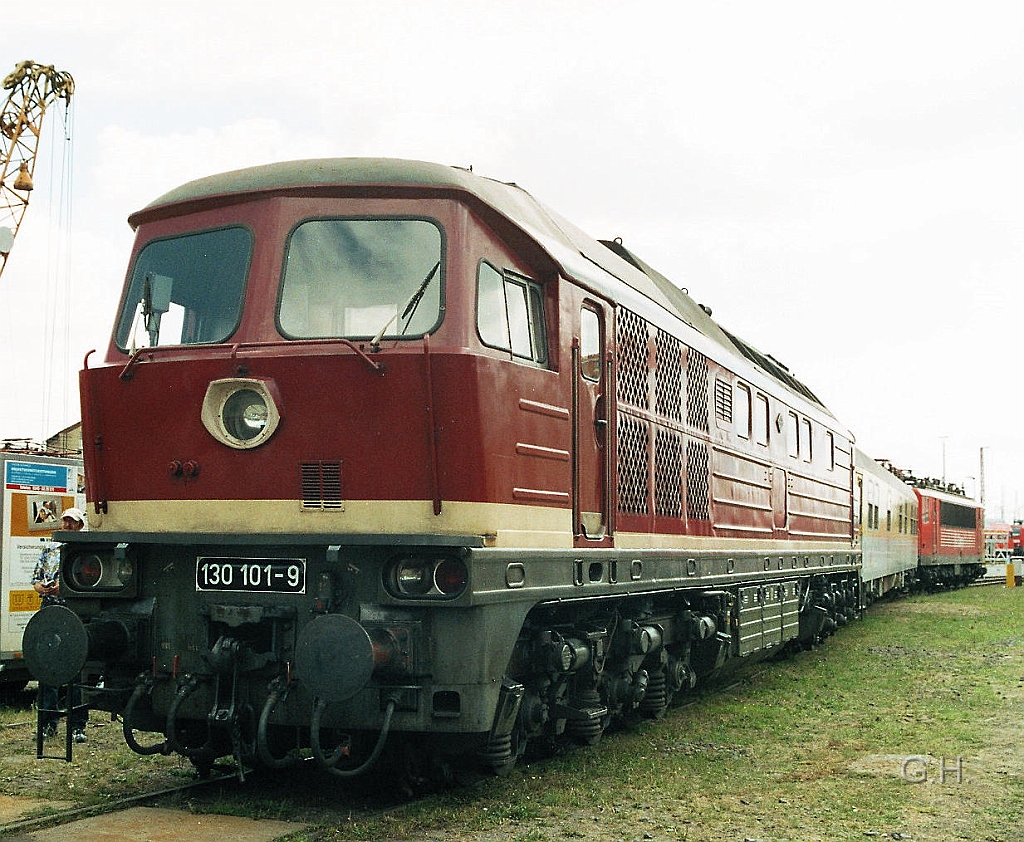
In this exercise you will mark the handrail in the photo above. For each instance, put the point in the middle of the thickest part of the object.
(236, 347)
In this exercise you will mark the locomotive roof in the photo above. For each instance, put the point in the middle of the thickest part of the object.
(946, 496)
(578, 254)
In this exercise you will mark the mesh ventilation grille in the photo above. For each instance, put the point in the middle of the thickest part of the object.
(697, 391)
(668, 474)
(668, 372)
(321, 485)
(697, 497)
(633, 465)
(632, 359)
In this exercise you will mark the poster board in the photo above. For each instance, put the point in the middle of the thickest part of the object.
(36, 491)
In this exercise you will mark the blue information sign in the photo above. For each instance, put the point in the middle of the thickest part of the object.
(31, 476)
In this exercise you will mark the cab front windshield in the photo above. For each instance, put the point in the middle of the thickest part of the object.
(186, 290)
(362, 279)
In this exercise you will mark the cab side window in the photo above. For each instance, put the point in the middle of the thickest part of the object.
(590, 344)
(510, 314)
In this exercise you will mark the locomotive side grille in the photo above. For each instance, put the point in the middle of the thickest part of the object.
(697, 496)
(668, 474)
(321, 485)
(959, 538)
(633, 465)
(697, 390)
(723, 400)
(668, 376)
(632, 360)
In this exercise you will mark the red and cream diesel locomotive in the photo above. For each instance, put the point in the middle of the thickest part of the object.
(384, 455)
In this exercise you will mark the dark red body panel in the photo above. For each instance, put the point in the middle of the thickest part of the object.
(335, 408)
(951, 530)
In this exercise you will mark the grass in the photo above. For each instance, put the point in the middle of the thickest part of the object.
(812, 747)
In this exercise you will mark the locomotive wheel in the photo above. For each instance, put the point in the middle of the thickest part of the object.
(418, 770)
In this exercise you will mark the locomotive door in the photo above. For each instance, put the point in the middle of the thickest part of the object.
(591, 425)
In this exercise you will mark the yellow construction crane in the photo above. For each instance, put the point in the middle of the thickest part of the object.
(32, 88)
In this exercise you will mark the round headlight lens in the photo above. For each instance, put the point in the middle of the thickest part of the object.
(86, 571)
(450, 576)
(241, 412)
(125, 571)
(245, 414)
(413, 577)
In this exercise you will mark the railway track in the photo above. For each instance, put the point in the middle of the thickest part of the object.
(267, 796)
(62, 817)
(26, 777)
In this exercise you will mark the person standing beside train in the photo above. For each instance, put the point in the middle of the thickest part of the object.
(46, 582)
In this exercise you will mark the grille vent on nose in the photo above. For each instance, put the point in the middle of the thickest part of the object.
(321, 485)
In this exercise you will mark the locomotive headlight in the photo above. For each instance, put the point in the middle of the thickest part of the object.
(86, 571)
(125, 571)
(451, 576)
(426, 577)
(413, 577)
(241, 412)
(98, 571)
(245, 414)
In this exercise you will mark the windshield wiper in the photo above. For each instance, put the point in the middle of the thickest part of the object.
(409, 310)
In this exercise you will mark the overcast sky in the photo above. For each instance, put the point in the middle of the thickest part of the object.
(841, 182)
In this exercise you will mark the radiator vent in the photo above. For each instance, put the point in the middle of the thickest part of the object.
(633, 464)
(632, 360)
(668, 376)
(697, 390)
(723, 400)
(321, 486)
(668, 474)
(698, 484)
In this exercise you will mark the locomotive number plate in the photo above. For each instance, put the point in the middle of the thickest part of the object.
(259, 575)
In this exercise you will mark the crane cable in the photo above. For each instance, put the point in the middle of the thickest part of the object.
(59, 288)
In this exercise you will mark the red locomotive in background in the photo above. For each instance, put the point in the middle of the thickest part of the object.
(952, 534)
(386, 458)
(1016, 539)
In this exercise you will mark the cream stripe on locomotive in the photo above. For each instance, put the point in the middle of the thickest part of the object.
(502, 525)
